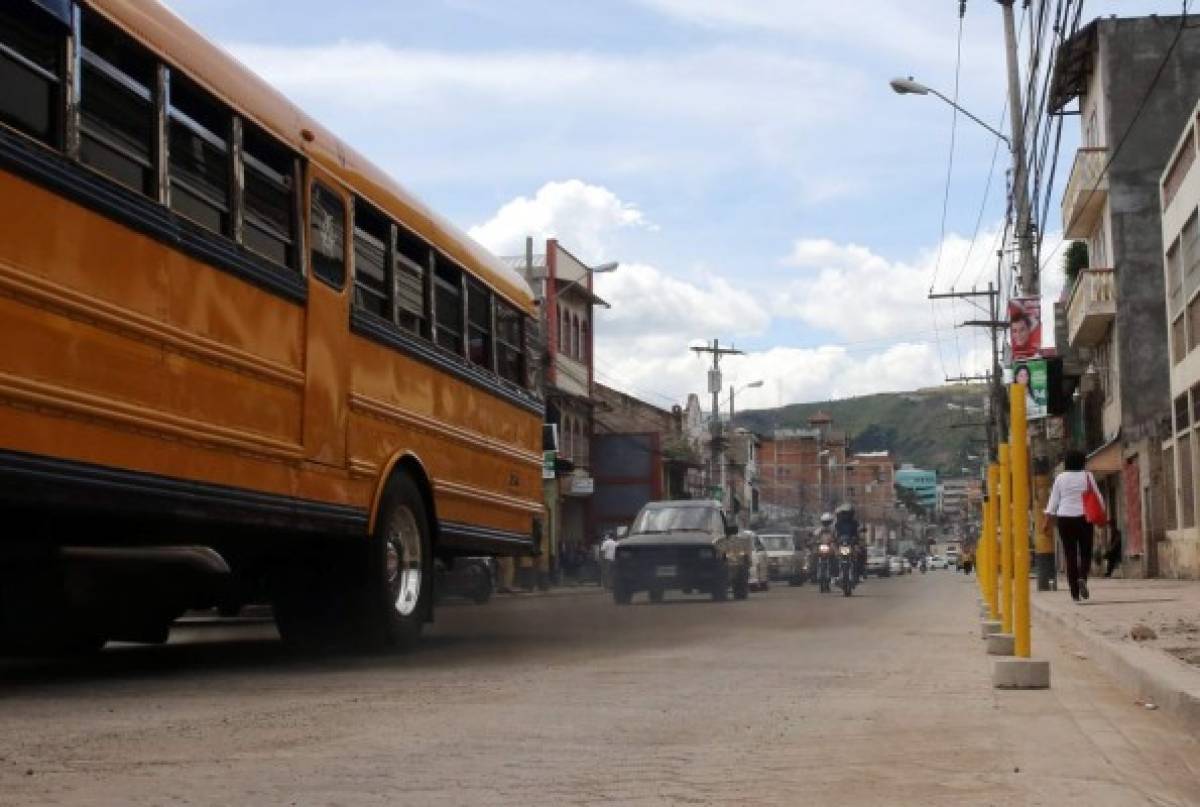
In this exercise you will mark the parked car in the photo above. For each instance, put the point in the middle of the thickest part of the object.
(682, 545)
(877, 562)
(783, 561)
(895, 564)
(937, 562)
(907, 565)
(472, 578)
(760, 563)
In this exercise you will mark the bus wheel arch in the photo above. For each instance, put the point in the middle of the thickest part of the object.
(410, 464)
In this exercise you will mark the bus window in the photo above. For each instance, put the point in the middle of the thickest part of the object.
(449, 310)
(479, 324)
(31, 68)
(198, 161)
(328, 225)
(117, 107)
(371, 235)
(509, 356)
(269, 200)
(412, 262)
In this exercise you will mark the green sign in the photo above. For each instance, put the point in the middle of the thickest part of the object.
(549, 461)
(1033, 375)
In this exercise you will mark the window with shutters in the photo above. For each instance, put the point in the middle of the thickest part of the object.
(447, 284)
(117, 106)
(1169, 481)
(372, 278)
(327, 222)
(479, 324)
(510, 362)
(1187, 493)
(198, 156)
(32, 48)
(411, 266)
(269, 198)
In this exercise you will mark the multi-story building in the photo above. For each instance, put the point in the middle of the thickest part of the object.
(1131, 106)
(1179, 189)
(741, 474)
(871, 489)
(562, 285)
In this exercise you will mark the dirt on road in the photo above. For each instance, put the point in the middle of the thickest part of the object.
(790, 697)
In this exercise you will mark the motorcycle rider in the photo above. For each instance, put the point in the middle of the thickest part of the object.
(824, 534)
(846, 530)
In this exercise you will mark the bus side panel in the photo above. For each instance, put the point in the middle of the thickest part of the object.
(482, 452)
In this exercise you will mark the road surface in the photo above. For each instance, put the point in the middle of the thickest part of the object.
(566, 699)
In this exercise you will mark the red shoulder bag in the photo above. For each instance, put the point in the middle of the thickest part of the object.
(1093, 505)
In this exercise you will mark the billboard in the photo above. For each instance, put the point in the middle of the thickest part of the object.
(1025, 327)
(1034, 376)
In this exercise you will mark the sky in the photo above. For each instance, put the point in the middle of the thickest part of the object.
(745, 162)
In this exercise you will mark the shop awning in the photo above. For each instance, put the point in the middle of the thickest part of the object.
(1106, 460)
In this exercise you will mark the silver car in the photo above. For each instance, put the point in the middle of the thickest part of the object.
(783, 561)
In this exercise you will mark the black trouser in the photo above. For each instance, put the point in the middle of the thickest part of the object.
(1076, 536)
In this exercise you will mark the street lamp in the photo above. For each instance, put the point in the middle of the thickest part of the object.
(733, 392)
(907, 86)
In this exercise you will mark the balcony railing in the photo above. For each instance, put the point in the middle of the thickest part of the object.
(1086, 192)
(1092, 307)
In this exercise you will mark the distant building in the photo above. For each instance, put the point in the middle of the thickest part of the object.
(923, 484)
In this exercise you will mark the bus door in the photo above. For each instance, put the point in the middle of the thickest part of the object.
(327, 349)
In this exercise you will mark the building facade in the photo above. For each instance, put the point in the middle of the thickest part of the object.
(922, 484)
(1114, 313)
(562, 285)
(1179, 191)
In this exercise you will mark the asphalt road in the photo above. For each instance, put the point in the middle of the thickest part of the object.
(564, 699)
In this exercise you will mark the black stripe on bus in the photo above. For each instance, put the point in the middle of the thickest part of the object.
(29, 481)
(379, 330)
(67, 178)
(471, 539)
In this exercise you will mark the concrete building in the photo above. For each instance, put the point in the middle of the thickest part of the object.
(1114, 314)
(742, 475)
(871, 489)
(639, 454)
(1179, 189)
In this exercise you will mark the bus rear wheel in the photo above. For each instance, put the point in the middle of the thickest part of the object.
(396, 600)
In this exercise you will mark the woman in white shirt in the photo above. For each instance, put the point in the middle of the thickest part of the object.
(1065, 510)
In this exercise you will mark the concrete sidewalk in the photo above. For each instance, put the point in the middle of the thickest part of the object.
(1163, 666)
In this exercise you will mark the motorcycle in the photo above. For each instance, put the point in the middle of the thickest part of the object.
(823, 562)
(922, 565)
(847, 575)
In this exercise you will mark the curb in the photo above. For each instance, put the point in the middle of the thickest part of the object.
(1146, 673)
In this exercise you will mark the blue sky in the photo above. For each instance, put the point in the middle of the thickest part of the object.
(746, 162)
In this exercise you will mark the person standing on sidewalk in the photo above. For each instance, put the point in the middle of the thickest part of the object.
(608, 556)
(1066, 511)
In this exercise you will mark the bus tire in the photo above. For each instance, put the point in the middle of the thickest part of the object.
(397, 597)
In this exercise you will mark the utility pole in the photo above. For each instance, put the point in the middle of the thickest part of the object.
(1030, 280)
(995, 324)
(714, 386)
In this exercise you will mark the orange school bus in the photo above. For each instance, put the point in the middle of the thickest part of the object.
(238, 362)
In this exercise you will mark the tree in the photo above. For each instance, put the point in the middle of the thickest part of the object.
(1075, 259)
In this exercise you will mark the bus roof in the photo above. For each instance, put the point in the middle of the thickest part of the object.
(175, 42)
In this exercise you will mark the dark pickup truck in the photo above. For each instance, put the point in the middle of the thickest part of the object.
(683, 545)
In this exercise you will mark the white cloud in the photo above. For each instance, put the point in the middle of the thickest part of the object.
(583, 217)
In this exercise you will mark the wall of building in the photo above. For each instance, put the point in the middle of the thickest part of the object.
(1130, 53)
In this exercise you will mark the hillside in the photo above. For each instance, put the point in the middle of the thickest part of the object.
(915, 426)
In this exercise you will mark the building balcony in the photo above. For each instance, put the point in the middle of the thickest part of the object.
(1087, 190)
(1091, 307)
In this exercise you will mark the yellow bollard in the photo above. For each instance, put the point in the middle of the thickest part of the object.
(1019, 465)
(993, 512)
(1004, 500)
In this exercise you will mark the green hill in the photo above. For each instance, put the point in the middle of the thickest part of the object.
(917, 427)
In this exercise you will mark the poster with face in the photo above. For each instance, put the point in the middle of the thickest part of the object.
(1025, 327)
(1033, 375)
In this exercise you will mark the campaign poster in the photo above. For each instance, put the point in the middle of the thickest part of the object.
(1033, 375)
(1025, 327)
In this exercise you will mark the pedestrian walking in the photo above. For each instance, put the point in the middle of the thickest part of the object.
(1075, 506)
(608, 556)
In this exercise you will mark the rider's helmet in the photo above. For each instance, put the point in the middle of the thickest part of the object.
(826, 519)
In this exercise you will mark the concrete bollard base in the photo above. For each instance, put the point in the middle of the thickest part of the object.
(1021, 673)
(1001, 644)
(989, 626)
